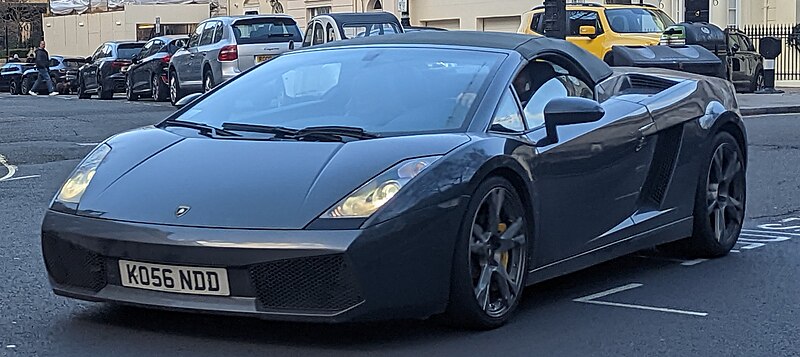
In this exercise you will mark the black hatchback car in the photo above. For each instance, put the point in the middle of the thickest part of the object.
(102, 74)
(11, 77)
(148, 75)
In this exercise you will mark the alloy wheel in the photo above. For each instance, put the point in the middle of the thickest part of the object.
(207, 84)
(173, 88)
(155, 90)
(498, 251)
(725, 193)
(13, 88)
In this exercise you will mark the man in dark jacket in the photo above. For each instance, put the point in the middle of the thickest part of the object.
(43, 67)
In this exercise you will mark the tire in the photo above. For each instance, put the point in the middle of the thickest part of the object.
(25, 87)
(757, 82)
(478, 260)
(102, 93)
(159, 89)
(721, 193)
(82, 90)
(129, 94)
(14, 87)
(208, 80)
(175, 92)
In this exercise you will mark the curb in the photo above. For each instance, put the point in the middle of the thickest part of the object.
(770, 110)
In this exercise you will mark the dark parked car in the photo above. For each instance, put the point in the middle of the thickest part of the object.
(401, 177)
(11, 77)
(102, 74)
(341, 26)
(148, 75)
(63, 72)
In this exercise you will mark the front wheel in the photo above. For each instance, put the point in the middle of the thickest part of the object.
(102, 92)
(175, 92)
(757, 82)
(82, 90)
(25, 88)
(208, 81)
(14, 87)
(491, 258)
(129, 94)
(159, 89)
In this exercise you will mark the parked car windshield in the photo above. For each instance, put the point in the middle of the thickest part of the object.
(363, 30)
(128, 50)
(638, 20)
(266, 30)
(385, 91)
(73, 63)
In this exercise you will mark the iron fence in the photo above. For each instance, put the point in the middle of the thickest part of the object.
(787, 65)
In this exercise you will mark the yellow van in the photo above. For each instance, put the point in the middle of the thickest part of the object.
(596, 28)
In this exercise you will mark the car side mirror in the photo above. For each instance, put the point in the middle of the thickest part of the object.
(568, 111)
(588, 31)
(187, 99)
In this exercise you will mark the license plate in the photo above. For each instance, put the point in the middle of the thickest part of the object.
(174, 278)
(262, 58)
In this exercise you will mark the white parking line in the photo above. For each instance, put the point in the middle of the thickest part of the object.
(689, 263)
(21, 178)
(87, 144)
(776, 233)
(11, 169)
(591, 299)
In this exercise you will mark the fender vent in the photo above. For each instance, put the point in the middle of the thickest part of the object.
(644, 84)
(664, 157)
(72, 265)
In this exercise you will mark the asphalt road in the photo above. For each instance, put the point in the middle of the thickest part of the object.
(745, 304)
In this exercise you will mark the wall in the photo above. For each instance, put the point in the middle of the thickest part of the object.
(80, 35)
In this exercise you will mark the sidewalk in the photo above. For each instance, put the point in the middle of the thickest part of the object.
(760, 104)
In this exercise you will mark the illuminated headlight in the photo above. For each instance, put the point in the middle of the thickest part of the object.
(73, 189)
(369, 198)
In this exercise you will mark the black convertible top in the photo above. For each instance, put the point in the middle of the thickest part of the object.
(526, 45)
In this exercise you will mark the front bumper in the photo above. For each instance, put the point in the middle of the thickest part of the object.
(397, 269)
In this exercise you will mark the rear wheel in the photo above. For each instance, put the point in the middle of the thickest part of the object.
(757, 81)
(102, 92)
(159, 89)
(129, 94)
(719, 208)
(491, 258)
(26, 86)
(208, 81)
(175, 92)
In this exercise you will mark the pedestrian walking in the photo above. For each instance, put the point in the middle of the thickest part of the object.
(43, 67)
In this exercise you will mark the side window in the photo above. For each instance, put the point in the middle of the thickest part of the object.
(536, 23)
(319, 34)
(331, 33)
(748, 44)
(107, 51)
(576, 19)
(158, 46)
(198, 32)
(146, 50)
(309, 34)
(217, 32)
(53, 62)
(539, 83)
(507, 117)
(208, 34)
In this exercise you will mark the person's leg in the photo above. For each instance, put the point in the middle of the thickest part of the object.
(46, 74)
(39, 79)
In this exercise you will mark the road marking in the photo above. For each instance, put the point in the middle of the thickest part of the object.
(735, 251)
(749, 237)
(689, 263)
(750, 245)
(87, 144)
(774, 233)
(592, 299)
(22, 178)
(10, 168)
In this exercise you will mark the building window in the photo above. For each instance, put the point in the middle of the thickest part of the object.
(733, 13)
(315, 11)
(145, 32)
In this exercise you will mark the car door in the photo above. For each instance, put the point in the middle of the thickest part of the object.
(137, 73)
(202, 51)
(749, 55)
(588, 183)
(89, 71)
(153, 64)
(186, 70)
(592, 43)
(739, 65)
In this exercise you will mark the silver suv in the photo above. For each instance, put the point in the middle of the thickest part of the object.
(222, 47)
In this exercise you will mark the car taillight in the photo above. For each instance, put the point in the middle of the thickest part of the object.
(119, 64)
(166, 59)
(228, 53)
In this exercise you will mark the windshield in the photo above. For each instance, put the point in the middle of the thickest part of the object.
(387, 90)
(73, 63)
(266, 30)
(128, 51)
(638, 20)
(363, 30)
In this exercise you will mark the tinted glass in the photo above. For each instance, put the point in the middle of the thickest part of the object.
(266, 30)
(208, 34)
(73, 64)
(535, 23)
(636, 20)
(127, 50)
(319, 35)
(576, 19)
(195, 38)
(381, 90)
(363, 30)
(217, 32)
(307, 39)
(175, 45)
(507, 116)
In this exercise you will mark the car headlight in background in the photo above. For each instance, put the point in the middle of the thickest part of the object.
(374, 194)
(76, 184)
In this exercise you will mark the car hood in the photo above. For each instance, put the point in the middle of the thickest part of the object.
(150, 173)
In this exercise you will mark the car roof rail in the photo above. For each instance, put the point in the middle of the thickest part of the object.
(574, 3)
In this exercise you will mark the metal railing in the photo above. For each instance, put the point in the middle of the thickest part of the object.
(787, 65)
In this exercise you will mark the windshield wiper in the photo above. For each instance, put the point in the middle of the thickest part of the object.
(278, 131)
(204, 129)
(335, 131)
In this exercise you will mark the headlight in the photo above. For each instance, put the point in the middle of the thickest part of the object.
(73, 189)
(374, 194)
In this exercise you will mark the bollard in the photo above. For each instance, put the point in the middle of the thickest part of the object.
(770, 49)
